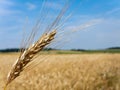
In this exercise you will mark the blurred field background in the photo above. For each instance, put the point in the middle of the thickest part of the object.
(65, 71)
(86, 24)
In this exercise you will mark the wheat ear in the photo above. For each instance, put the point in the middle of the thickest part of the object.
(28, 55)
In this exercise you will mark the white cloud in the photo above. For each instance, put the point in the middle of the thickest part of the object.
(31, 6)
(6, 2)
(84, 26)
(112, 11)
(6, 7)
(53, 5)
(7, 12)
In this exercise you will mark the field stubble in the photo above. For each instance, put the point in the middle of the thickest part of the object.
(65, 72)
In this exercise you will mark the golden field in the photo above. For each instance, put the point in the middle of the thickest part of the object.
(64, 72)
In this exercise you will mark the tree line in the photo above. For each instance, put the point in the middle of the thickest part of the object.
(49, 49)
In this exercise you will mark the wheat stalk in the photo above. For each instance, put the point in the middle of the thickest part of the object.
(28, 55)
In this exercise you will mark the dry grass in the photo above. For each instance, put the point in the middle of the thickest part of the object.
(66, 72)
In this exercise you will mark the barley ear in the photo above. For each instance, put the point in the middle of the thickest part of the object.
(27, 56)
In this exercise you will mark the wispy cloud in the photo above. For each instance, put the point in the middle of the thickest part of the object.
(6, 7)
(6, 2)
(53, 5)
(31, 6)
(85, 25)
(7, 12)
(113, 11)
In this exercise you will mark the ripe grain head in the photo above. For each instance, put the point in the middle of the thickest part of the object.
(28, 55)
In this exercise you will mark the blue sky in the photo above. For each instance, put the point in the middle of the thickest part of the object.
(96, 23)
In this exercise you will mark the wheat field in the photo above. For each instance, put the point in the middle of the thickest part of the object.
(64, 72)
